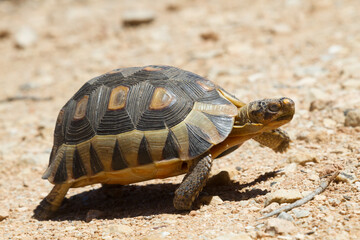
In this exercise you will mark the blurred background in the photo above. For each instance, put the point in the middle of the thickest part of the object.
(306, 50)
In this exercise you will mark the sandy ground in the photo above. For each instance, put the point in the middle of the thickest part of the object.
(306, 50)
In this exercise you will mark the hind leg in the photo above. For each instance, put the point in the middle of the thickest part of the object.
(51, 203)
(192, 184)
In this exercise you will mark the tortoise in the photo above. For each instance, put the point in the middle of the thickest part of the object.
(140, 123)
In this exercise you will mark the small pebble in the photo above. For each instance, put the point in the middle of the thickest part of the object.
(334, 202)
(320, 104)
(279, 226)
(138, 17)
(3, 214)
(221, 178)
(302, 158)
(301, 213)
(119, 228)
(271, 207)
(211, 200)
(351, 84)
(286, 216)
(25, 37)
(290, 168)
(352, 118)
(357, 184)
(345, 177)
(209, 36)
(283, 196)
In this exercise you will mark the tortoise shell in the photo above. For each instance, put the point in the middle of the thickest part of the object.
(135, 124)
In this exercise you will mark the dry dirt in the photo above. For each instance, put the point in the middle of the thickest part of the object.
(306, 50)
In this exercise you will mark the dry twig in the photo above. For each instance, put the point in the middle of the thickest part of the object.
(23, 98)
(323, 185)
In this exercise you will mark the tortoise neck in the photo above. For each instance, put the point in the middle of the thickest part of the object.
(242, 118)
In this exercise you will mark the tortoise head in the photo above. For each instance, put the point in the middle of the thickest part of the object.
(267, 114)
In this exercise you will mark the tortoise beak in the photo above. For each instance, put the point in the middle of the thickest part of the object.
(288, 109)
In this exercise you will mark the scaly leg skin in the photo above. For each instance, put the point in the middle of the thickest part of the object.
(51, 203)
(192, 184)
(278, 140)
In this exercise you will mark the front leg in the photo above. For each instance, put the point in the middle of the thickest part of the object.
(192, 183)
(277, 139)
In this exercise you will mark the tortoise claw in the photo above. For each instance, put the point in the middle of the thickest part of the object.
(43, 211)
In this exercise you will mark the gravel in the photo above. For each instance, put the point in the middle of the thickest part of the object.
(253, 49)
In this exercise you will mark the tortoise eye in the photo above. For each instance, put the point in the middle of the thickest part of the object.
(274, 107)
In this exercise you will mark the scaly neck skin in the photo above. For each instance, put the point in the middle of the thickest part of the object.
(239, 135)
(242, 118)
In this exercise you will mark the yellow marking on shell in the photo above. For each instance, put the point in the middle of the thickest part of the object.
(180, 132)
(70, 149)
(169, 168)
(161, 99)
(152, 69)
(104, 147)
(198, 119)
(118, 98)
(156, 140)
(80, 110)
(232, 99)
(129, 143)
(51, 170)
(224, 109)
(206, 85)
(84, 152)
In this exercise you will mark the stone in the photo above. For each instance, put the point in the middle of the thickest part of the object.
(119, 228)
(138, 17)
(320, 104)
(92, 214)
(335, 49)
(302, 158)
(351, 84)
(3, 214)
(301, 213)
(313, 176)
(279, 226)
(209, 36)
(357, 184)
(280, 28)
(211, 200)
(221, 178)
(352, 118)
(283, 196)
(334, 202)
(286, 216)
(25, 37)
(345, 177)
(271, 207)
(290, 168)
(234, 236)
